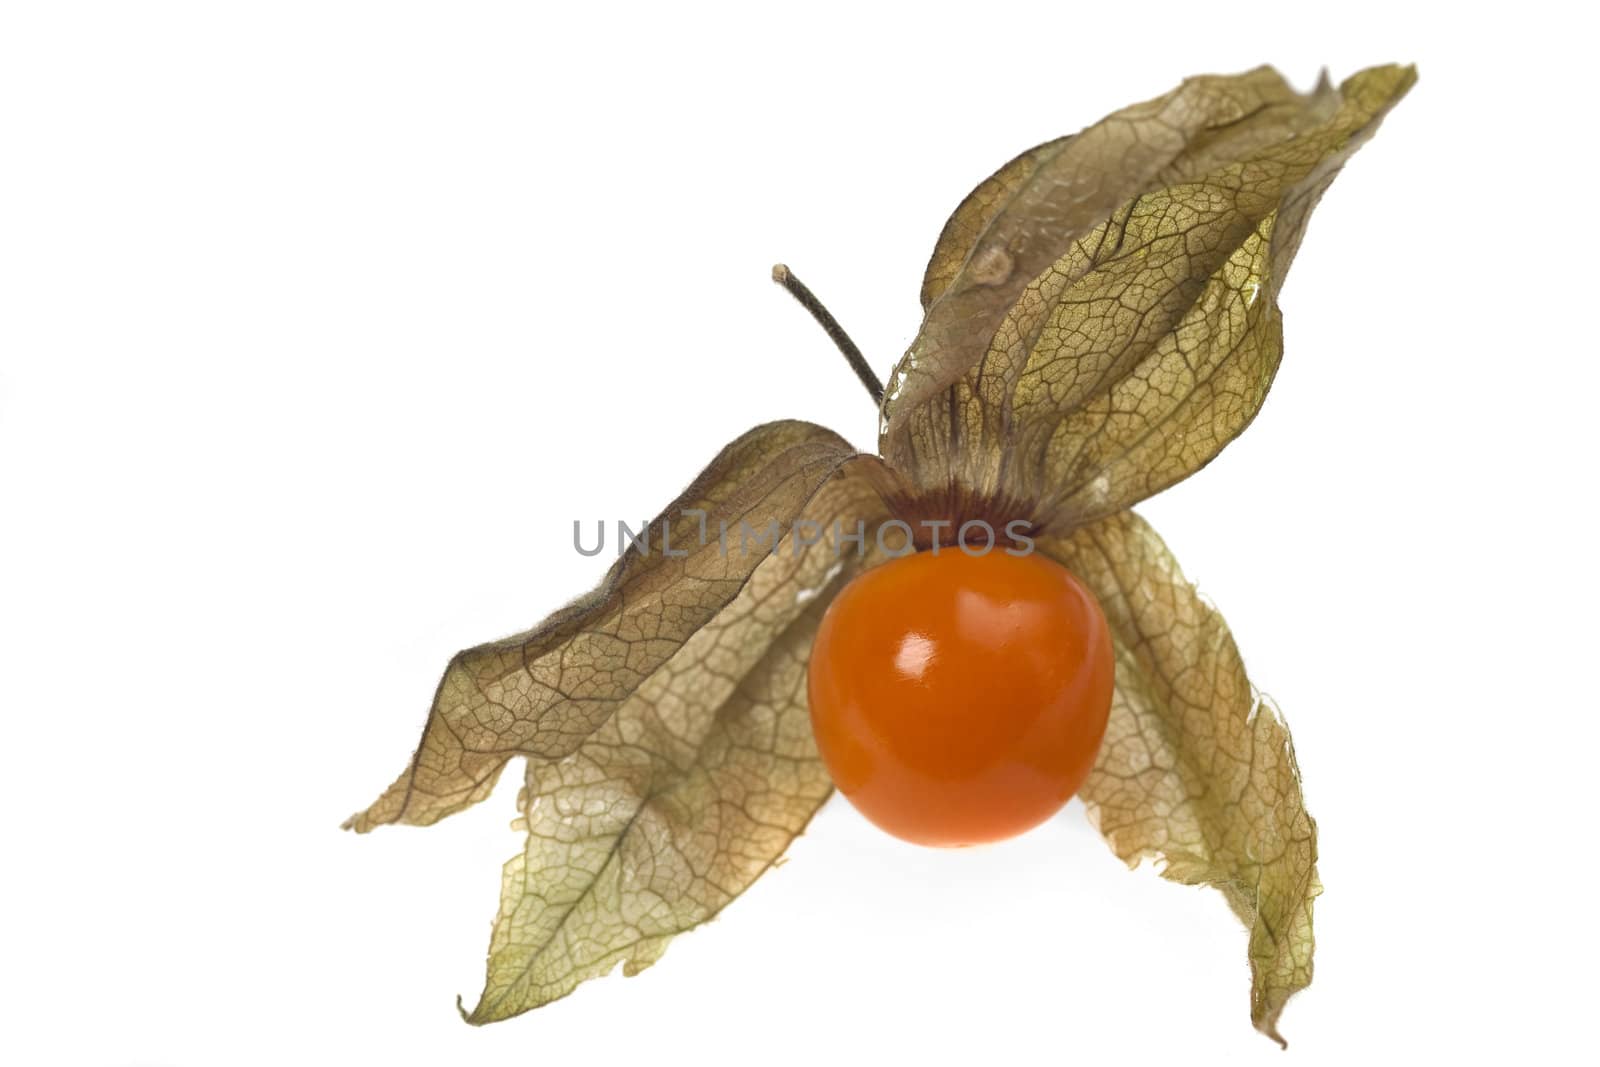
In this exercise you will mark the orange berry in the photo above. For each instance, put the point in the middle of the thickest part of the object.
(960, 699)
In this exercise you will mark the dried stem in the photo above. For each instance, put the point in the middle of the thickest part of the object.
(808, 300)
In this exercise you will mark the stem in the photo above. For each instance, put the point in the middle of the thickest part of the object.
(808, 300)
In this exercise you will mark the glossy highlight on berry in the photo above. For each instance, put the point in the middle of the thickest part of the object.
(960, 699)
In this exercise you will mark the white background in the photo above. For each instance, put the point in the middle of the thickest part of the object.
(319, 323)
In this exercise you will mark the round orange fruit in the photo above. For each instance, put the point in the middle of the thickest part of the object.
(959, 699)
